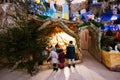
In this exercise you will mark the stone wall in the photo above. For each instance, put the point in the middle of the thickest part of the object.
(6, 10)
(93, 47)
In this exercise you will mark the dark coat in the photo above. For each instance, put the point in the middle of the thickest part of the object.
(70, 51)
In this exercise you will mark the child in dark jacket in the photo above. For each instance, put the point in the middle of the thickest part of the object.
(61, 59)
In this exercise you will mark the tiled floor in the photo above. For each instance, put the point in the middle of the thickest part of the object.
(90, 69)
(79, 73)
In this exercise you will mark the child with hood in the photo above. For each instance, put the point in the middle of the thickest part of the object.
(54, 56)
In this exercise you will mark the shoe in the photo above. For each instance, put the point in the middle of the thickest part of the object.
(62, 67)
(56, 69)
(74, 65)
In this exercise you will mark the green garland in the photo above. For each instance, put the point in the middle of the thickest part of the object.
(42, 17)
(88, 23)
(84, 24)
(96, 24)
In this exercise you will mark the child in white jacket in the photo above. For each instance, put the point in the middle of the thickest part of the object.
(54, 56)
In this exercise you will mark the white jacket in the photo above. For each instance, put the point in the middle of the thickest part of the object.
(54, 56)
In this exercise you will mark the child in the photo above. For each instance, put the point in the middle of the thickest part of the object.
(70, 51)
(54, 56)
(61, 58)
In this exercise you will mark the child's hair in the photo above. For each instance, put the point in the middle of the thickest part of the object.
(53, 48)
(71, 42)
(61, 50)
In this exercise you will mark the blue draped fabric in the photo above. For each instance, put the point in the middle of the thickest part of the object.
(109, 15)
(112, 28)
(106, 16)
(85, 15)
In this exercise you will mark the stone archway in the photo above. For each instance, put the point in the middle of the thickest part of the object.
(90, 40)
(84, 36)
(67, 27)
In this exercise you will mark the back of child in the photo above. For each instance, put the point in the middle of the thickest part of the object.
(61, 59)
